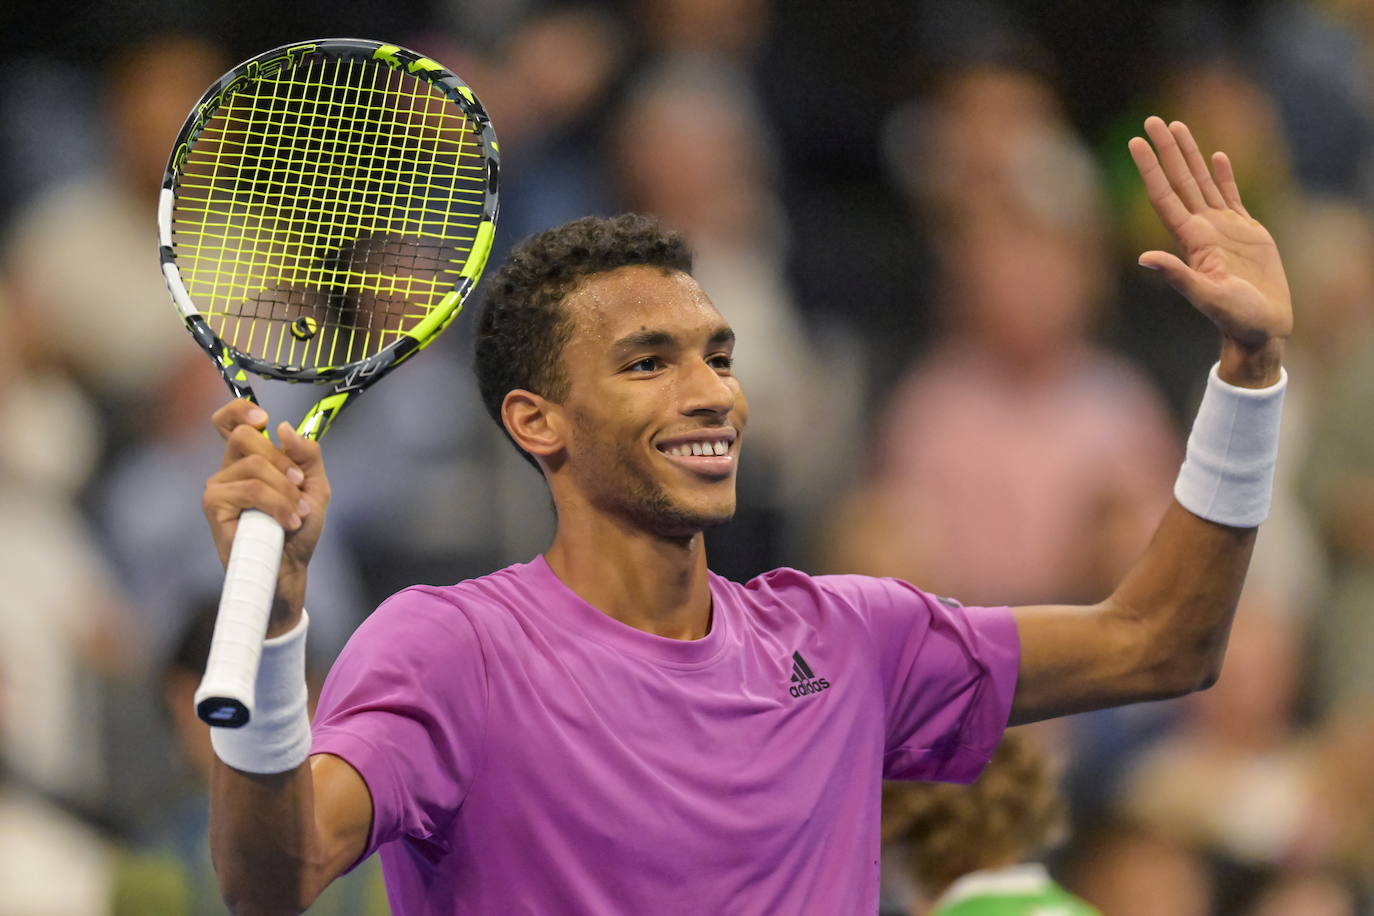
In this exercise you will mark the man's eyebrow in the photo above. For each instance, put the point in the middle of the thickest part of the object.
(648, 339)
(645, 339)
(723, 335)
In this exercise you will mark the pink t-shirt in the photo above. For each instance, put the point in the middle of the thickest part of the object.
(526, 753)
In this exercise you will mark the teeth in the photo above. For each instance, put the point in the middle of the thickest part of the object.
(699, 449)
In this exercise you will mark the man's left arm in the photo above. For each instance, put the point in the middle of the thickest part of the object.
(1163, 631)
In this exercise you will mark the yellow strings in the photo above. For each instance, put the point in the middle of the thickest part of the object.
(340, 191)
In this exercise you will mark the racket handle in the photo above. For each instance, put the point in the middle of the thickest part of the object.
(226, 694)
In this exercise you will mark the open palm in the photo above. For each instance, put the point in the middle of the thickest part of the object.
(1230, 270)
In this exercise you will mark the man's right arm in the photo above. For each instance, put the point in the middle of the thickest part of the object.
(278, 839)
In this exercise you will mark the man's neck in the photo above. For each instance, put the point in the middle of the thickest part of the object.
(649, 582)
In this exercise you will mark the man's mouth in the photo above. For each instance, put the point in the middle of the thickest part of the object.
(711, 447)
(707, 451)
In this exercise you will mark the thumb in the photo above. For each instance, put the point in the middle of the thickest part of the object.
(1176, 273)
(305, 452)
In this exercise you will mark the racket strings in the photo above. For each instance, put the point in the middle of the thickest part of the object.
(327, 210)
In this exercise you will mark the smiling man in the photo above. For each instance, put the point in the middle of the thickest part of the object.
(611, 728)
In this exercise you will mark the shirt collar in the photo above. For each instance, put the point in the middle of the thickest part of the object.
(1029, 878)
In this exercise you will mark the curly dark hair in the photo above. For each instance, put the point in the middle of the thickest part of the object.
(523, 328)
(1012, 812)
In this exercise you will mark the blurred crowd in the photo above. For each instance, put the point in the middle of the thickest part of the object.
(922, 221)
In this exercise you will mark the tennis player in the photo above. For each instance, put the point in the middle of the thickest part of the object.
(610, 728)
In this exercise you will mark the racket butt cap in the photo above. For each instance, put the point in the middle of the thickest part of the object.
(222, 712)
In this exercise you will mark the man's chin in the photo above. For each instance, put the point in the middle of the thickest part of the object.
(680, 522)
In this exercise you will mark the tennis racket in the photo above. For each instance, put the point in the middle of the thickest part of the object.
(326, 209)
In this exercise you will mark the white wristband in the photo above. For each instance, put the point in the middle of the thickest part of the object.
(277, 738)
(1228, 474)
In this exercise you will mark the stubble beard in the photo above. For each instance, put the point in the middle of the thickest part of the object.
(615, 483)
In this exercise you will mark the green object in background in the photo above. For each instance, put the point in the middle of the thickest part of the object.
(1022, 890)
(150, 884)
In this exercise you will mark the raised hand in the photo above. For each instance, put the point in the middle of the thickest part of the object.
(288, 483)
(1230, 269)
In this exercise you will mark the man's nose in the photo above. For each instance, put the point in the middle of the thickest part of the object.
(705, 390)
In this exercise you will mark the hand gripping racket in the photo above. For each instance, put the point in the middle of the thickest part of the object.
(326, 209)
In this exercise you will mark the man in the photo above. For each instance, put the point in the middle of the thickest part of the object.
(611, 729)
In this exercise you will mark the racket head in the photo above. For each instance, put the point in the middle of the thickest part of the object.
(327, 207)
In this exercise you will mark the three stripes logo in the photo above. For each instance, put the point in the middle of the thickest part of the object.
(804, 680)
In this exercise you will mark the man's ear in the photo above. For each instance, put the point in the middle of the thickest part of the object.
(534, 422)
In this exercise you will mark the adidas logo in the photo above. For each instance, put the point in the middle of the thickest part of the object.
(804, 680)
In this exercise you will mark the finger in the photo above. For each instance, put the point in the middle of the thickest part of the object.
(1175, 168)
(238, 412)
(1226, 183)
(1197, 166)
(308, 457)
(260, 467)
(226, 500)
(246, 440)
(1191, 284)
(305, 452)
(1157, 188)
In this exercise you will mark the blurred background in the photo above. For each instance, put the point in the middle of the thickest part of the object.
(922, 220)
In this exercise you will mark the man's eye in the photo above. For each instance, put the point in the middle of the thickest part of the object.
(722, 361)
(647, 364)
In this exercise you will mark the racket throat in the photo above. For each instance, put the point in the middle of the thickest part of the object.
(320, 417)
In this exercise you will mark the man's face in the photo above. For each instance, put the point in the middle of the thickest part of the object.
(656, 411)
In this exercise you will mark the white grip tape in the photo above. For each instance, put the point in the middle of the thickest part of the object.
(1228, 474)
(250, 582)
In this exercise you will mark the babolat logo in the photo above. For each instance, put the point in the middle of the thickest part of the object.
(804, 679)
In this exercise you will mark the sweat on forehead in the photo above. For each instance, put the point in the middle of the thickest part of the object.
(638, 298)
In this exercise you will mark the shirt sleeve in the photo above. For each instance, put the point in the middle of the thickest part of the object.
(406, 706)
(948, 674)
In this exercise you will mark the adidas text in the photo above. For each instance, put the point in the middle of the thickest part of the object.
(802, 689)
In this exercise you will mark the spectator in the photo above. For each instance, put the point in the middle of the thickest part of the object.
(548, 90)
(728, 30)
(1017, 461)
(1233, 779)
(968, 847)
(80, 254)
(1127, 870)
(1329, 244)
(1338, 487)
(62, 615)
(50, 863)
(1314, 893)
(1271, 804)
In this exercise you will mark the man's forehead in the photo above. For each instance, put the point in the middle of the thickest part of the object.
(632, 298)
